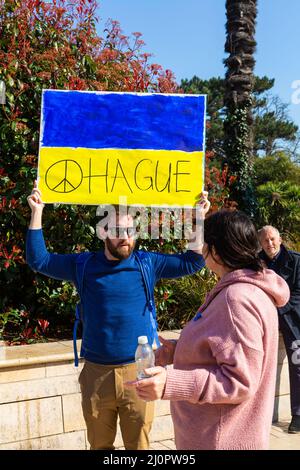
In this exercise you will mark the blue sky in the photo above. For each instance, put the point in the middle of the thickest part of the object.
(188, 38)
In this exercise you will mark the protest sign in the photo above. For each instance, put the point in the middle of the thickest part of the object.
(98, 146)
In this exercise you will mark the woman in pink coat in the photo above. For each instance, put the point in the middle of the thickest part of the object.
(222, 384)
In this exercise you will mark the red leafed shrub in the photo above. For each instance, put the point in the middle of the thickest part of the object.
(55, 45)
(218, 184)
(52, 44)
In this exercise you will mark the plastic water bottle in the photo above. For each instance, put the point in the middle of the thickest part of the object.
(144, 357)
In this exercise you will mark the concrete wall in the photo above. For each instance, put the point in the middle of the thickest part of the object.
(40, 405)
(282, 408)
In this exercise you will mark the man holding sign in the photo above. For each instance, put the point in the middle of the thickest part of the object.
(94, 148)
(115, 313)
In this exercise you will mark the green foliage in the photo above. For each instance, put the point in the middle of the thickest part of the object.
(271, 125)
(18, 328)
(52, 45)
(165, 299)
(178, 300)
(261, 85)
(278, 191)
(55, 45)
(237, 151)
(276, 168)
(279, 205)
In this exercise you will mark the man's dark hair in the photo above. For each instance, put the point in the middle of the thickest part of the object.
(234, 238)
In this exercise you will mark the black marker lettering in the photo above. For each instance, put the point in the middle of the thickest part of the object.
(144, 177)
(177, 173)
(105, 175)
(115, 177)
(168, 181)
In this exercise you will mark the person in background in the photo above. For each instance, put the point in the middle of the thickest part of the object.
(116, 312)
(222, 385)
(286, 263)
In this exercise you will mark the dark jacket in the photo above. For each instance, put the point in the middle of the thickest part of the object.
(287, 265)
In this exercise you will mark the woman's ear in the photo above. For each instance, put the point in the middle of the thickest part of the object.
(215, 256)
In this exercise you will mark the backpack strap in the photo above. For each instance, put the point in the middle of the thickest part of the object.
(81, 262)
(144, 262)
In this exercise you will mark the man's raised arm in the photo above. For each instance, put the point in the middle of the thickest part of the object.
(39, 259)
(37, 206)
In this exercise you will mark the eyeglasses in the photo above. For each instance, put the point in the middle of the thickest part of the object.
(121, 232)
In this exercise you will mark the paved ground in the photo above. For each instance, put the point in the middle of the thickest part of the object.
(280, 439)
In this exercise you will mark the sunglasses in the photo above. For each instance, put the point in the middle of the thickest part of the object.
(121, 232)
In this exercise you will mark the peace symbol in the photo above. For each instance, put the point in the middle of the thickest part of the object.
(64, 176)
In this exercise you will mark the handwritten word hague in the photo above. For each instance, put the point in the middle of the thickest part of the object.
(146, 175)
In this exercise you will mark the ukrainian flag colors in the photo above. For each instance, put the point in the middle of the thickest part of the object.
(98, 146)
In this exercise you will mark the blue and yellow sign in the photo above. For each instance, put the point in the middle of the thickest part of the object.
(98, 146)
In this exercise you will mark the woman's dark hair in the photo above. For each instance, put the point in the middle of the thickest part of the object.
(234, 238)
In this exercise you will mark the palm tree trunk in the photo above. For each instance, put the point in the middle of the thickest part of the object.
(239, 82)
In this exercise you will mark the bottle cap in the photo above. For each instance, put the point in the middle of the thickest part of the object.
(142, 339)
